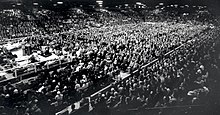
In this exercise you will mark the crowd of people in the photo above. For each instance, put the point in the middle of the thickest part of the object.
(178, 79)
(14, 23)
(76, 18)
(102, 44)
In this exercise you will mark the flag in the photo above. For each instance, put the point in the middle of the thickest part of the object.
(69, 109)
(77, 105)
(90, 105)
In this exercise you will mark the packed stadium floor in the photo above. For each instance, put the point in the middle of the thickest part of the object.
(108, 62)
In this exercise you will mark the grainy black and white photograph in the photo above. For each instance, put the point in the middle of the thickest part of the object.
(109, 57)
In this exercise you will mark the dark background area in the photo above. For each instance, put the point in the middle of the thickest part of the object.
(213, 5)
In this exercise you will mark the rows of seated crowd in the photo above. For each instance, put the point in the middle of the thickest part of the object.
(100, 54)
